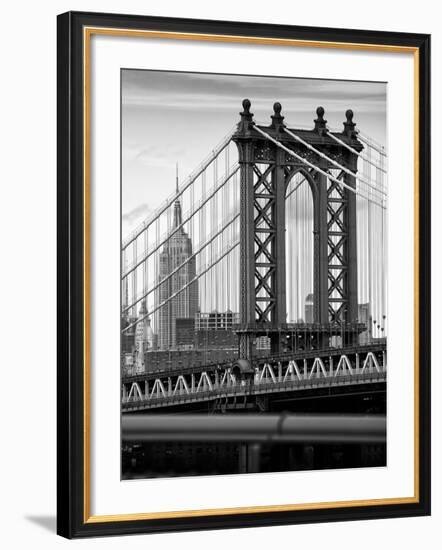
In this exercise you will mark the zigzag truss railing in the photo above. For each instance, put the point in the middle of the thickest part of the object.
(372, 367)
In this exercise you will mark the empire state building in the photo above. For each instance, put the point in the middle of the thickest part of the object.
(177, 267)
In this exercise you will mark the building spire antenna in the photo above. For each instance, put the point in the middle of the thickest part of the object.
(176, 178)
(177, 219)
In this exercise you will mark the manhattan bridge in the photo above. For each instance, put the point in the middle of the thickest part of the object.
(261, 282)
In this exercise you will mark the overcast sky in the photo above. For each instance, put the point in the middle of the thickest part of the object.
(172, 117)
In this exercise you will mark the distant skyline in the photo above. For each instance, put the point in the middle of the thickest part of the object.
(170, 118)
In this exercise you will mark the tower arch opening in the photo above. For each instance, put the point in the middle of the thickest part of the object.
(299, 245)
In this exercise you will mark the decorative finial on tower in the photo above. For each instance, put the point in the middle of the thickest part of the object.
(246, 106)
(277, 118)
(320, 123)
(246, 117)
(349, 125)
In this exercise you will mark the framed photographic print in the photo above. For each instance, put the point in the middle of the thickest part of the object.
(243, 274)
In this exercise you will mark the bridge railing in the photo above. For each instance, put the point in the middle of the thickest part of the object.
(251, 387)
(272, 428)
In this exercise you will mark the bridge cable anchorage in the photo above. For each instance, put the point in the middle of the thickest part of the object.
(170, 233)
(360, 155)
(194, 280)
(311, 165)
(335, 163)
(204, 245)
(190, 180)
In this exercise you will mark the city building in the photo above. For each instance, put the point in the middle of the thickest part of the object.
(309, 309)
(216, 320)
(125, 287)
(215, 330)
(185, 332)
(364, 316)
(177, 268)
(216, 339)
(186, 357)
(144, 338)
(263, 343)
(128, 336)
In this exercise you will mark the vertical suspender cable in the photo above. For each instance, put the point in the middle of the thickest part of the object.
(288, 249)
(369, 260)
(157, 276)
(203, 215)
(303, 217)
(298, 274)
(145, 266)
(124, 280)
(134, 278)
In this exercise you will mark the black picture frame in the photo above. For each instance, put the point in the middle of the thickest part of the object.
(72, 516)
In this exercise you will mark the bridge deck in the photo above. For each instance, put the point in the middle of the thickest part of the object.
(297, 355)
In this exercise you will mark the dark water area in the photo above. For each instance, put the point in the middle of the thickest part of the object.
(175, 457)
(170, 459)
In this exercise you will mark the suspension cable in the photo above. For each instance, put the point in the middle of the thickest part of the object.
(190, 180)
(371, 144)
(170, 232)
(360, 155)
(183, 288)
(334, 162)
(210, 240)
(308, 163)
(298, 185)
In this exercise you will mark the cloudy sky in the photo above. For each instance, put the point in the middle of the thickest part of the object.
(170, 118)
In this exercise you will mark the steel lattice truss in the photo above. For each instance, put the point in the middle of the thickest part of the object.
(337, 240)
(265, 234)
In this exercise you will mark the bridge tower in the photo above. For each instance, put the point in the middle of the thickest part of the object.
(266, 169)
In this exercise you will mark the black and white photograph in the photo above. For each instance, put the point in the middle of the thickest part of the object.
(254, 322)
(220, 279)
